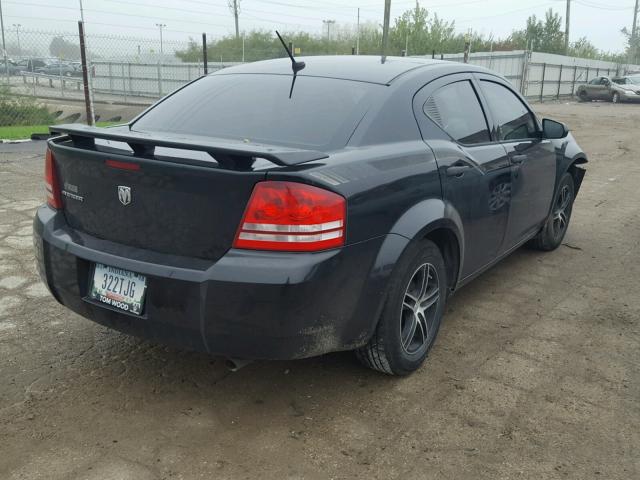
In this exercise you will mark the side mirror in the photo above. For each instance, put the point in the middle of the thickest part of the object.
(554, 130)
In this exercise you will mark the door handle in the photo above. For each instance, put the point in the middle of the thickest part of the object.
(518, 159)
(457, 170)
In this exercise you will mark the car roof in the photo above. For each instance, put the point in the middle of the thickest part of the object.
(362, 68)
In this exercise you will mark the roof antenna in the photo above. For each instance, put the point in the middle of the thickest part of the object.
(295, 66)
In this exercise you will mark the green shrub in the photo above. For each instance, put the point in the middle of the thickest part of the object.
(15, 110)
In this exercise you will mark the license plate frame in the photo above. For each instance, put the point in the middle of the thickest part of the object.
(121, 289)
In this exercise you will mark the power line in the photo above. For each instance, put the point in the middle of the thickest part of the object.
(567, 22)
(103, 12)
(601, 6)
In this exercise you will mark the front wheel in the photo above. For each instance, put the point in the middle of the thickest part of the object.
(615, 98)
(557, 223)
(412, 313)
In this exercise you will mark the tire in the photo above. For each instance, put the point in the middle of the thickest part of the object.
(582, 96)
(615, 98)
(399, 345)
(556, 225)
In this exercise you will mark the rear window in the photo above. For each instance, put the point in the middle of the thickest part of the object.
(321, 113)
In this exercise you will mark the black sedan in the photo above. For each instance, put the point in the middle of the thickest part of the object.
(265, 213)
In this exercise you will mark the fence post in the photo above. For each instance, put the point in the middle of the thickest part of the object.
(433, 54)
(573, 84)
(598, 72)
(204, 53)
(159, 72)
(524, 75)
(124, 83)
(130, 79)
(544, 70)
(110, 69)
(61, 81)
(85, 77)
(559, 83)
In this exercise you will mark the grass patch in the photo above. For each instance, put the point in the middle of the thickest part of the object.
(21, 132)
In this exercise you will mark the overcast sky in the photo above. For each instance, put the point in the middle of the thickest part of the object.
(599, 20)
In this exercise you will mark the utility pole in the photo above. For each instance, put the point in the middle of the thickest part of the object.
(234, 6)
(385, 28)
(328, 23)
(633, 42)
(4, 47)
(566, 28)
(17, 27)
(358, 34)
(634, 28)
(161, 26)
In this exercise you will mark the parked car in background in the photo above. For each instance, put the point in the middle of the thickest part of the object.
(25, 65)
(58, 68)
(10, 67)
(276, 213)
(616, 90)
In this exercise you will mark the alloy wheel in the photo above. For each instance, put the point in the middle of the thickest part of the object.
(419, 308)
(562, 211)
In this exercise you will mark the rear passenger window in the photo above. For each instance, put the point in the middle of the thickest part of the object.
(455, 107)
(515, 121)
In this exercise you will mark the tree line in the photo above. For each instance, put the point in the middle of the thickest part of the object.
(416, 32)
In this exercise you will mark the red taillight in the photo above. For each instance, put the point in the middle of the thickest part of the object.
(51, 184)
(290, 216)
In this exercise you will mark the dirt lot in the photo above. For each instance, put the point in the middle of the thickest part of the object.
(535, 374)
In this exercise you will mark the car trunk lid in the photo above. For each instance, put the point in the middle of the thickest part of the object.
(177, 202)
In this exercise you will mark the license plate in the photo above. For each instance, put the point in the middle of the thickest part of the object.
(118, 288)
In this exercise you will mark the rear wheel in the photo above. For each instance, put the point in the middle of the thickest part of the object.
(582, 96)
(556, 225)
(412, 313)
(616, 97)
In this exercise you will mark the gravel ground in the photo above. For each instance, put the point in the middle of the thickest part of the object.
(535, 374)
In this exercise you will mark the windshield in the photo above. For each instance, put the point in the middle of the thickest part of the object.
(633, 80)
(322, 113)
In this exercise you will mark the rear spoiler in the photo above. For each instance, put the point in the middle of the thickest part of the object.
(143, 144)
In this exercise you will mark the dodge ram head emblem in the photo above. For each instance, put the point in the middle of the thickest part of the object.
(124, 194)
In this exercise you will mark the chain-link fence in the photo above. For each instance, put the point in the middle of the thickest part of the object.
(41, 77)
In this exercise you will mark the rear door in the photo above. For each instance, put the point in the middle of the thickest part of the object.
(601, 89)
(532, 158)
(474, 170)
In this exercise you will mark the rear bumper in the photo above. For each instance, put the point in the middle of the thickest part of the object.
(254, 305)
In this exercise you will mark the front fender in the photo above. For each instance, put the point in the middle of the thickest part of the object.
(568, 153)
